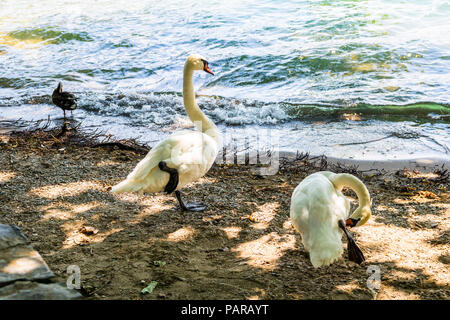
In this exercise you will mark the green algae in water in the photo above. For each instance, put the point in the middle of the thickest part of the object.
(430, 112)
(52, 35)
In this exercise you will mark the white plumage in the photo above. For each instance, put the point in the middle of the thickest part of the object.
(190, 152)
(317, 205)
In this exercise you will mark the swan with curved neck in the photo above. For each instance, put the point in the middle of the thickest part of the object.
(184, 156)
(319, 212)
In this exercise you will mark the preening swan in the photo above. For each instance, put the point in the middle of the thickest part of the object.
(183, 157)
(319, 211)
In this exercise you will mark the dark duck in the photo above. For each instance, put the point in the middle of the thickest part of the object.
(63, 99)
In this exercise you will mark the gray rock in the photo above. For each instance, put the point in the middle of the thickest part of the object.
(21, 267)
(18, 260)
(22, 263)
(10, 236)
(27, 290)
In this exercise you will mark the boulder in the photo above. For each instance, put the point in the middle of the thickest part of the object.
(30, 290)
(24, 275)
(18, 260)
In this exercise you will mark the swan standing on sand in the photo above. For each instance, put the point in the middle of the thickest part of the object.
(63, 99)
(183, 157)
(318, 211)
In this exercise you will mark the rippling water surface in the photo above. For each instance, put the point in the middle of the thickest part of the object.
(370, 79)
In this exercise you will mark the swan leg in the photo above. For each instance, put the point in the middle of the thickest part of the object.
(172, 185)
(173, 180)
(354, 252)
(192, 206)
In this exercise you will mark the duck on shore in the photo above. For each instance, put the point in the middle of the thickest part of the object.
(63, 99)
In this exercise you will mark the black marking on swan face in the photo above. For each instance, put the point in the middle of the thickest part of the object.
(206, 67)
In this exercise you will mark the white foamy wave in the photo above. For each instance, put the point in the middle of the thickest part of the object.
(236, 112)
(167, 108)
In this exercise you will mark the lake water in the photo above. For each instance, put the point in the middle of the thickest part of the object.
(351, 79)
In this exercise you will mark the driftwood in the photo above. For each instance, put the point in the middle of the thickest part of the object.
(47, 136)
(122, 145)
(303, 162)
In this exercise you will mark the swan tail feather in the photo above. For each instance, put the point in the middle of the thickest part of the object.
(127, 185)
(134, 183)
(138, 179)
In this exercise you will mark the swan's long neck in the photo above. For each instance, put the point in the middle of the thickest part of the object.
(200, 120)
(347, 180)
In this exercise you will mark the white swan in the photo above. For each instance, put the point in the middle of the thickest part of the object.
(318, 211)
(184, 156)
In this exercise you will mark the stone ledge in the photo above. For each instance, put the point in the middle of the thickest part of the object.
(30, 290)
(10, 236)
(22, 270)
(22, 263)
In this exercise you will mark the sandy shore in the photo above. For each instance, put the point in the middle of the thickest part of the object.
(242, 247)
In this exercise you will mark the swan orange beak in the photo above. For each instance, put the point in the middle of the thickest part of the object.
(351, 222)
(207, 69)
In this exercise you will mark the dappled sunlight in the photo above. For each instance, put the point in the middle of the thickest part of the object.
(231, 232)
(401, 246)
(288, 224)
(402, 274)
(348, 287)
(444, 206)
(264, 214)
(381, 207)
(261, 294)
(212, 218)
(127, 197)
(423, 220)
(265, 252)
(76, 234)
(150, 209)
(395, 294)
(65, 211)
(417, 197)
(420, 175)
(6, 176)
(66, 189)
(105, 163)
(396, 280)
(181, 234)
(24, 264)
(243, 245)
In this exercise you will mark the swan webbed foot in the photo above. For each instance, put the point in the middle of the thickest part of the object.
(354, 252)
(191, 206)
(174, 177)
(194, 206)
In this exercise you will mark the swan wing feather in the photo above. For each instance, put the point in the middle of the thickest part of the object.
(182, 150)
